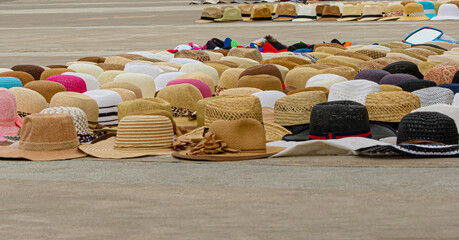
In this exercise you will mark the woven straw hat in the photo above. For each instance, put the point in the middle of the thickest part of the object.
(263, 82)
(240, 60)
(330, 13)
(201, 109)
(232, 108)
(125, 94)
(33, 70)
(9, 120)
(355, 55)
(268, 69)
(229, 79)
(355, 90)
(324, 80)
(240, 91)
(296, 108)
(202, 86)
(308, 89)
(140, 105)
(108, 76)
(91, 82)
(214, 56)
(379, 63)
(434, 95)
(350, 13)
(92, 59)
(390, 88)
(296, 59)
(124, 85)
(46, 88)
(193, 54)
(183, 99)
(201, 77)
(117, 60)
(73, 99)
(145, 68)
(60, 141)
(408, 53)
(259, 13)
(285, 12)
(373, 53)
(413, 12)
(108, 105)
(371, 13)
(142, 81)
(391, 106)
(196, 67)
(245, 135)
(451, 59)
(423, 52)
(90, 69)
(441, 74)
(341, 60)
(28, 101)
(209, 14)
(298, 77)
(23, 76)
(219, 67)
(54, 71)
(138, 135)
(392, 45)
(246, 53)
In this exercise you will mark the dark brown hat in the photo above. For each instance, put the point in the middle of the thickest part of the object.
(110, 66)
(263, 82)
(33, 70)
(23, 76)
(267, 69)
(56, 66)
(320, 9)
(92, 59)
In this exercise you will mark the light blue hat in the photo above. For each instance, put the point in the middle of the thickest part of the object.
(9, 82)
(429, 9)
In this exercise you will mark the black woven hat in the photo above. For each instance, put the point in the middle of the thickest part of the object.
(415, 84)
(456, 77)
(404, 67)
(296, 46)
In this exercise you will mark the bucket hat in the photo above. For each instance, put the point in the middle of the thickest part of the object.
(233, 140)
(355, 90)
(10, 122)
(434, 95)
(393, 12)
(60, 141)
(28, 101)
(33, 70)
(209, 14)
(22, 76)
(107, 102)
(9, 82)
(429, 9)
(330, 13)
(183, 99)
(203, 88)
(145, 68)
(71, 83)
(54, 71)
(246, 10)
(305, 13)
(391, 106)
(127, 108)
(45, 88)
(137, 136)
(371, 13)
(295, 109)
(447, 11)
(441, 74)
(415, 84)
(350, 13)
(285, 12)
(262, 81)
(123, 85)
(79, 100)
(413, 12)
(143, 81)
(230, 15)
(197, 67)
(91, 82)
(90, 69)
(246, 53)
(201, 77)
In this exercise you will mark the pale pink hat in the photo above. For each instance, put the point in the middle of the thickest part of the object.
(202, 86)
(71, 83)
(10, 122)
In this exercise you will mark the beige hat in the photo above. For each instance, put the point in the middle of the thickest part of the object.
(240, 60)
(350, 13)
(393, 12)
(239, 91)
(246, 53)
(73, 99)
(45, 88)
(262, 81)
(199, 67)
(371, 13)
(124, 85)
(183, 99)
(108, 76)
(28, 101)
(90, 69)
(414, 12)
(341, 60)
(143, 104)
(143, 81)
(125, 94)
(54, 71)
(391, 106)
(296, 108)
(219, 67)
(228, 79)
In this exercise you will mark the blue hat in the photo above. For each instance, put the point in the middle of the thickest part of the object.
(429, 8)
(452, 86)
(9, 82)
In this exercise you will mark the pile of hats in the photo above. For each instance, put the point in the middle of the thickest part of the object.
(342, 12)
(227, 102)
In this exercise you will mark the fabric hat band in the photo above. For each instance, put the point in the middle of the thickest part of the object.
(372, 15)
(394, 14)
(207, 18)
(49, 146)
(305, 16)
(289, 16)
(429, 11)
(245, 15)
(348, 16)
(415, 14)
(261, 19)
(330, 16)
(324, 136)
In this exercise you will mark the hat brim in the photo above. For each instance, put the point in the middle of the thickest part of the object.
(411, 150)
(327, 19)
(250, 20)
(270, 150)
(283, 19)
(444, 18)
(389, 18)
(347, 19)
(303, 20)
(203, 21)
(12, 152)
(105, 149)
(227, 20)
(409, 19)
(368, 19)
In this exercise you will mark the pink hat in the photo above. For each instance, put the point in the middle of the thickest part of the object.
(71, 83)
(202, 86)
(10, 122)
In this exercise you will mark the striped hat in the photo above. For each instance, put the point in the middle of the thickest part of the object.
(108, 105)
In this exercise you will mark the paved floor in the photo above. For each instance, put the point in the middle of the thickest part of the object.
(163, 198)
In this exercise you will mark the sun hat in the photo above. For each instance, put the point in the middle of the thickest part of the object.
(374, 75)
(54, 71)
(393, 12)
(320, 9)
(107, 102)
(90, 69)
(373, 53)
(355, 55)
(123, 85)
(441, 74)
(429, 9)
(295, 109)
(447, 109)
(263, 82)
(259, 13)
(91, 82)
(162, 79)
(246, 9)
(329, 50)
(324, 80)
(434, 95)
(168, 114)
(143, 104)
(60, 141)
(350, 13)
(108, 76)
(396, 78)
(414, 12)
(355, 90)
(305, 13)
(71, 83)
(9, 82)
(228, 79)
(298, 77)
(233, 140)
(396, 44)
(391, 106)
(371, 13)
(79, 100)
(137, 136)
(203, 88)
(196, 67)
(125, 94)
(33, 70)
(94, 59)
(45, 88)
(230, 15)
(285, 12)
(232, 108)
(239, 91)
(253, 54)
(143, 81)
(22, 76)
(145, 68)
(268, 98)
(79, 119)
(240, 60)
(200, 56)
(183, 99)
(10, 122)
(28, 101)
(389, 88)
(219, 67)
(404, 67)
(209, 14)
(268, 69)
(447, 11)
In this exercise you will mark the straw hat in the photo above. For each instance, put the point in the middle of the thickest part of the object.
(356, 55)
(22, 76)
(391, 106)
(239, 91)
(73, 99)
(183, 99)
(355, 90)
(296, 59)
(145, 68)
(232, 108)
(379, 63)
(226, 63)
(92, 59)
(90, 69)
(408, 53)
(196, 67)
(54, 71)
(137, 135)
(296, 108)
(373, 53)
(110, 66)
(262, 81)
(324, 80)
(307, 89)
(329, 50)
(33, 70)
(390, 88)
(330, 13)
(9, 120)
(108, 105)
(341, 60)
(268, 69)
(441, 74)
(260, 13)
(392, 45)
(350, 13)
(193, 54)
(413, 12)
(241, 61)
(246, 9)
(423, 52)
(71, 83)
(230, 14)
(46, 88)
(143, 81)
(126, 108)
(219, 67)
(204, 89)
(320, 9)
(371, 13)
(162, 80)
(229, 79)
(124, 85)
(250, 53)
(28, 101)
(91, 82)
(285, 12)
(246, 136)
(201, 109)
(283, 62)
(209, 14)
(305, 13)
(125, 94)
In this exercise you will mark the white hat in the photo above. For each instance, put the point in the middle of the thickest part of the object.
(183, 47)
(456, 100)
(162, 80)
(91, 81)
(5, 70)
(199, 67)
(305, 13)
(447, 11)
(434, 95)
(145, 68)
(269, 98)
(163, 56)
(448, 110)
(354, 90)
(143, 54)
(145, 82)
(90, 69)
(108, 105)
(183, 60)
(108, 76)
(324, 80)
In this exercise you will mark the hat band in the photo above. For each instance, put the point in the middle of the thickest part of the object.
(324, 136)
(49, 146)
(348, 16)
(394, 14)
(372, 15)
(287, 16)
(245, 14)
(429, 11)
(415, 14)
(261, 19)
(207, 18)
(305, 16)
(330, 16)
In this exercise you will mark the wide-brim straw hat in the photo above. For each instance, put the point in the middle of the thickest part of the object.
(371, 13)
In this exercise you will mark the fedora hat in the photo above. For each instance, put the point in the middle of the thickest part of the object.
(60, 141)
(413, 12)
(393, 12)
(28, 101)
(90, 69)
(371, 13)
(330, 13)
(391, 106)
(137, 136)
(232, 140)
(285, 12)
(447, 11)
(33, 70)
(209, 14)
(45, 88)
(54, 71)
(22, 76)
(262, 81)
(246, 9)
(73, 99)
(107, 102)
(433, 95)
(305, 13)
(230, 15)
(9, 82)
(183, 99)
(350, 13)
(143, 81)
(192, 54)
(320, 9)
(260, 13)
(127, 108)
(71, 83)
(10, 122)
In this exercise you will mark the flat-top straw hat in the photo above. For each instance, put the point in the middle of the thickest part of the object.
(45, 88)
(143, 81)
(229, 79)
(209, 14)
(28, 101)
(33, 70)
(246, 53)
(350, 13)
(391, 106)
(54, 71)
(232, 108)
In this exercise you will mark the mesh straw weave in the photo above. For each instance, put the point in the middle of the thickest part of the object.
(201, 108)
(372, 53)
(46, 88)
(193, 54)
(233, 108)
(144, 104)
(296, 108)
(434, 95)
(390, 106)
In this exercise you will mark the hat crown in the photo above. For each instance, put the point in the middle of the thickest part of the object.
(391, 106)
(28, 101)
(286, 9)
(242, 134)
(371, 10)
(145, 104)
(7, 107)
(306, 10)
(233, 108)
(260, 12)
(73, 99)
(232, 14)
(48, 132)
(351, 10)
(211, 12)
(414, 8)
(448, 9)
(79, 117)
(183, 96)
(296, 108)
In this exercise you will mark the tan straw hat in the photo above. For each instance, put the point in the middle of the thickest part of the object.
(296, 108)
(125, 94)
(73, 99)
(143, 81)
(229, 79)
(240, 91)
(124, 85)
(201, 77)
(391, 106)
(250, 53)
(54, 71)
(126, 108)
(108, 76)
(23, 76)
(393, 12)
(350, 13)
(28, 101)
(209, 14)
(262, 81)
(46, 88)
(414, 12)
(183, 99)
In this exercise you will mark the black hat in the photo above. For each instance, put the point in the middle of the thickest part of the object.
(276, 44)
(296, 46)
(456, 77)
(404, 67)
(430, 45)
(415, 84)
(218, 42)
(210, 45)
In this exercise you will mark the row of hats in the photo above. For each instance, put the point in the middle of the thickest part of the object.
(410, 11)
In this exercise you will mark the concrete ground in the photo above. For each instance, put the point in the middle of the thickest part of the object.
(164, 198)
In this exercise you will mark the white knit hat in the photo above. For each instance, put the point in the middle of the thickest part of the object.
(108, 105)
(145, 82)
(324, 80)
(199, 67)
(162, 80)
(269, 98)
(91, 81)
(90, 69)
(354, 90)
(448, 110)
(145, 68)
(433, 95)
